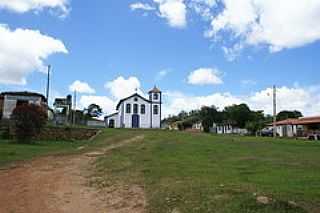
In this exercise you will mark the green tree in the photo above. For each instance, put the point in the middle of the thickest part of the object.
(240, 114)
(283, 115)
(28, 121)
(93, 110)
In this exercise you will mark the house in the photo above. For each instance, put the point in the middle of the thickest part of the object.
(10, 100)
(228, 127)
(62, 110)
(300, 127)
(136, 111)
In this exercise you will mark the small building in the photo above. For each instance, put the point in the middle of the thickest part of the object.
(62, 110)
(300, 127)
(136, 111)
(10, 100)
(228, 127)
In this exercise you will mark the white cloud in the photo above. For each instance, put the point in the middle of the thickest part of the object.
(277, 24)
(205, 76)
(107, 104)
(238, 24)
(304, 99)
(22, 6)
(23, 51)
(175, 11)
(176, 101)
(121, 87)
(141, 6)
(162, 74)
(81, 87)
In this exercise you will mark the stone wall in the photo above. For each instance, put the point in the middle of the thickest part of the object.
(66, 134)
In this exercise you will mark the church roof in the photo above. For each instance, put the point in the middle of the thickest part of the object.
(155, 90)
(136, 94)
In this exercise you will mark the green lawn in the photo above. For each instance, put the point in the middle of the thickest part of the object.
(205, 173)
(185, 172)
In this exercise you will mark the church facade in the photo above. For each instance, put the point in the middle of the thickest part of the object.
(136, 111)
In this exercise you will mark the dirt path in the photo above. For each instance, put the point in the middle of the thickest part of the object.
(60, 184)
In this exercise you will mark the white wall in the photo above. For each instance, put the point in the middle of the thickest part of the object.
(144, 118)
(10, 102)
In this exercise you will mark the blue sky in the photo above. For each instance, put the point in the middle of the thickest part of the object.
(199, 52)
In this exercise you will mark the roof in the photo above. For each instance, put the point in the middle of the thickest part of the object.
(300, 121)
(136, 94)
(154, 90)
(108, 116)
(23, 93)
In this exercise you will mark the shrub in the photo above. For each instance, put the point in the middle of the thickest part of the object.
(28, 120)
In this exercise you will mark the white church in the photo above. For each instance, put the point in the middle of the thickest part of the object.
(136, 111)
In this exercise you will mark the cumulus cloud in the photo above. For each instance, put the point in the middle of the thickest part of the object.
(141, 6)
(174, 11)
(304, 99)
(121, 87)
(175, 102)
(276, 24)
(81, 87)
(238, 24)
(23, 51)
(107, 104)
(205, 76)
(22, 6)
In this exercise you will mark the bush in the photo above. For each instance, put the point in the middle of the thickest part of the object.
(28, 120)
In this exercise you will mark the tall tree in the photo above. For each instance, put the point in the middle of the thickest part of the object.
(93, 110)
(283, 115)
(239, 114)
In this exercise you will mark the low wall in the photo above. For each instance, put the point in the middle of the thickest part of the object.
(66, 134)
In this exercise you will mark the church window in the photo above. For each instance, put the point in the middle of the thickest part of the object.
(135, 108)
(143, 109)
(156, 109)
(155, 96)
(128, 108)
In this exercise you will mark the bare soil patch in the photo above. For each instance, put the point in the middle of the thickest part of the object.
(60, 184)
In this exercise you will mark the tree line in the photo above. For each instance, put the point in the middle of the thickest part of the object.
(238, 115)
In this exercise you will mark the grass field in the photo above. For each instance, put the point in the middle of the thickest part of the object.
(184, 172)
(187, 172)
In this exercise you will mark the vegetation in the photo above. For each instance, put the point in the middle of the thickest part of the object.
(184, 172)
(93, 111)
(28, 120)
(283, 115)
(238, 115)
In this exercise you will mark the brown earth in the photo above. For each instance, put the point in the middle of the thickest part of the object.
(60, 184)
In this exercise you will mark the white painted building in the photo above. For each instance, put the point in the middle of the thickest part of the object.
(136, 111)
(10, 100)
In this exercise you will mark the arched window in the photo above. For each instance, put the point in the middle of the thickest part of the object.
(135, 108)
(155, 109)
(128, 108)
(155, 96)
(143, 109)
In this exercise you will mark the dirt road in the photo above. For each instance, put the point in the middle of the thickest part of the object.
(60, 184)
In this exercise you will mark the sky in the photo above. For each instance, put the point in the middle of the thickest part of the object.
(198, 52)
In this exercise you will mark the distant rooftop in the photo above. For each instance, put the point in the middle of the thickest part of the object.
(23, 93)
(300, 121)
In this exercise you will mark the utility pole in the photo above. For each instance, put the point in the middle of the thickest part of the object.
(74, 107)
(48, 84)
(274, 111)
